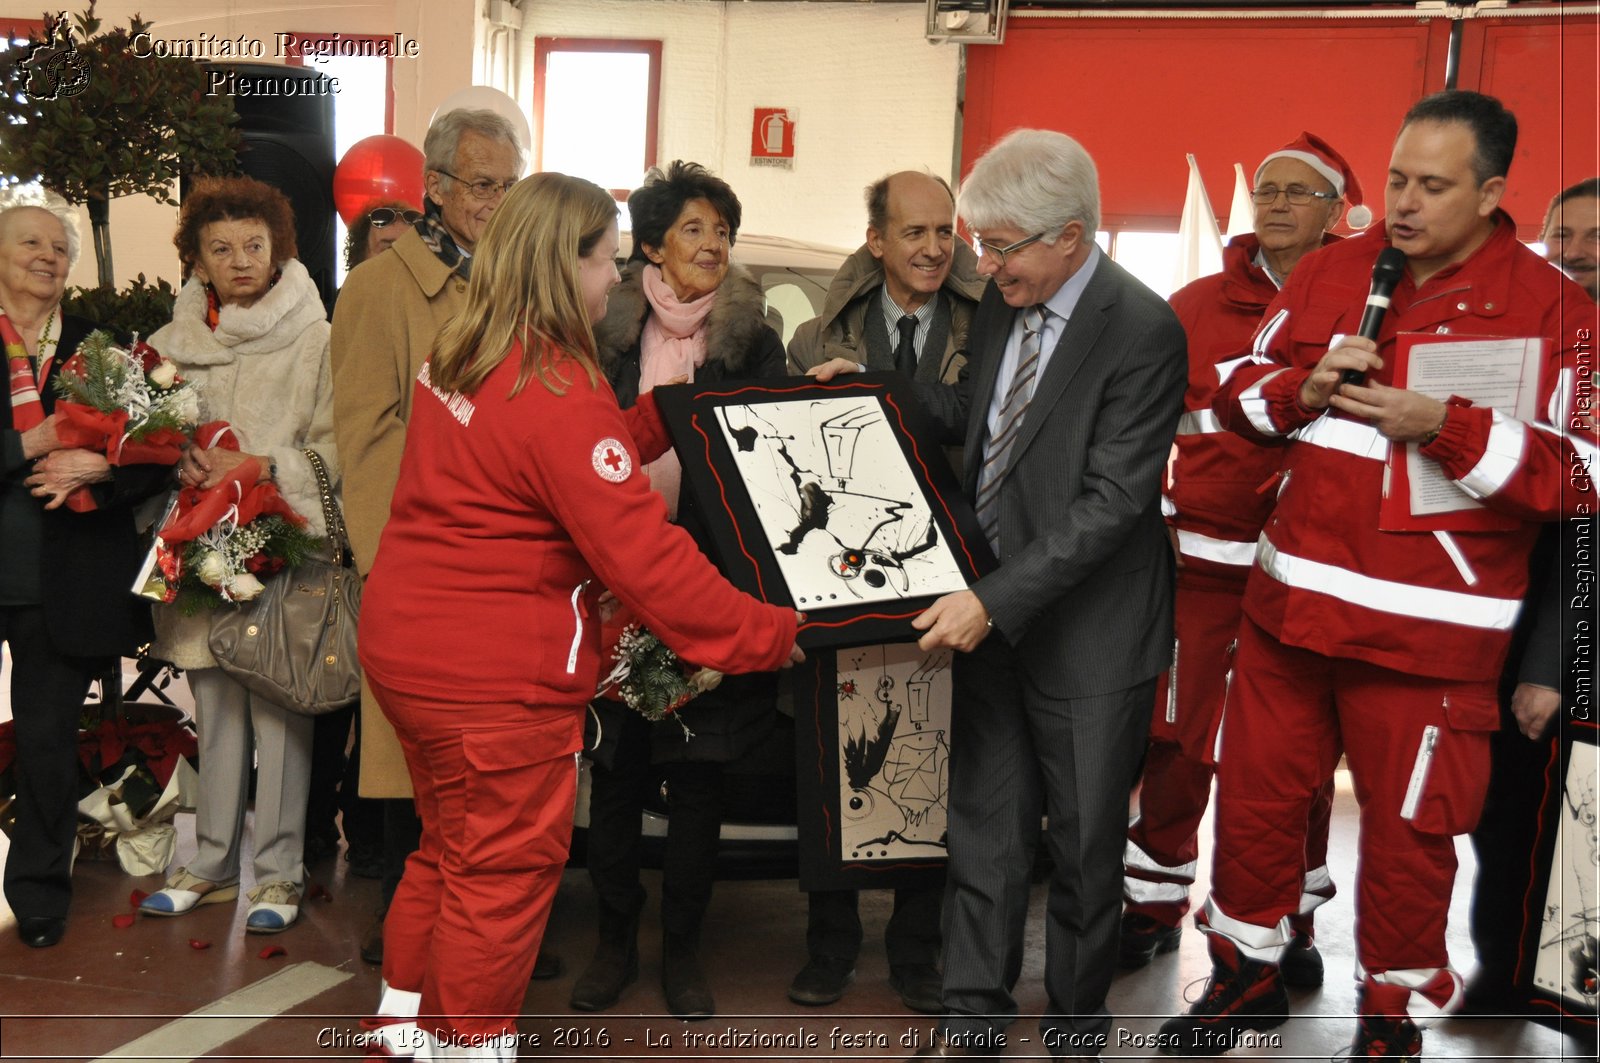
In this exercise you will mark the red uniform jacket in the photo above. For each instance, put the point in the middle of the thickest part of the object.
(1219, 492)
(1326, 579)
(510, 517)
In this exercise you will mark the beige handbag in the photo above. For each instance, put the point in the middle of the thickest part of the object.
(295, 644)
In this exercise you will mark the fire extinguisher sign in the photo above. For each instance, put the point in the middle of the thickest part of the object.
(772, 138)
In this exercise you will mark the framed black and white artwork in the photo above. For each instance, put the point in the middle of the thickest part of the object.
(1567, 964)
(872, 757)
(832, 498)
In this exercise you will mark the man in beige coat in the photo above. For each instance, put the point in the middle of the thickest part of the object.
(390, 312)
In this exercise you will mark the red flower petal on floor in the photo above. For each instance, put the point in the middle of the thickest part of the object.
(122, 922)
(136, 898)
(198, 945)
(273, 950)
(317, 890)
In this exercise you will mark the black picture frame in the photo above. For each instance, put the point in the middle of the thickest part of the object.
(726, 502)
(890, 830)
(1561, 947)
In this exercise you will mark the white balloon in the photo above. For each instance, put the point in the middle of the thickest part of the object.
(482, 97)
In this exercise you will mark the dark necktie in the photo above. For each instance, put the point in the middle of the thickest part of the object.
(997, 451)
(905, 354)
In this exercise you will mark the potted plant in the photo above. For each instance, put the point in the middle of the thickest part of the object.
(91, 120)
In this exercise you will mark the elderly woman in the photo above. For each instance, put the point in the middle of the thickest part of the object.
(65, 610)
(249, 328)
(519, 498)
(682, 312)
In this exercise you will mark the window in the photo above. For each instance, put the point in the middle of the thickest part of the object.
(581, 85)
(364, 104)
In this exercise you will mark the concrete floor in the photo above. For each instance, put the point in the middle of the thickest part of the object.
(199, 987)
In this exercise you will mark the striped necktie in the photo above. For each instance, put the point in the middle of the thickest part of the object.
(997, 451)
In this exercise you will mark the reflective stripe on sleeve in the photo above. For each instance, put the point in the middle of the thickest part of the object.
(1339, 433)
(1222, 551)
(1501, 456)
(1387, 596)
(1255, 406)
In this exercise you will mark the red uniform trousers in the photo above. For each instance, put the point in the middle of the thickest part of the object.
(495, 786)
(1180, 762)
(1418, 752)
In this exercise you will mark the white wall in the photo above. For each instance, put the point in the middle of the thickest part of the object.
(868, 93)
(141, 228)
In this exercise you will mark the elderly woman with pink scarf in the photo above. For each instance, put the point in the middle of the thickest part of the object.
(682, 312)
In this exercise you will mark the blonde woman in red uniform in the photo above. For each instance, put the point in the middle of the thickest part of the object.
(520, 500)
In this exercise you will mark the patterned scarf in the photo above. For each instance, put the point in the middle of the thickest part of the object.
(431, 228)
(672, 345)
(26, 410)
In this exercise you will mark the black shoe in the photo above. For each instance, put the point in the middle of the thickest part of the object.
(41, 931)
(366, 861)
(1384, 1030)
(372, 943)
(684, 983)
(545, 967)
(920, 987)
(613, 969)
(1242, 994)
(1301, 966)
(319, 847)
(1390, 1037)
(1143, 939)
(821, 981)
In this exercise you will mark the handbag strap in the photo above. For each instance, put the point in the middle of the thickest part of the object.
(331, 514)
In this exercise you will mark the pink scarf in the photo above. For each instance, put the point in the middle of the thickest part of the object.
(673, 345)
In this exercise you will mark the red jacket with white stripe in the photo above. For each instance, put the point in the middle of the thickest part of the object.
(1326, 578)
(510, 517)
(1219, 491)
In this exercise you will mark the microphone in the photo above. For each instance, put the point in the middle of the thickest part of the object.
(1386, 274)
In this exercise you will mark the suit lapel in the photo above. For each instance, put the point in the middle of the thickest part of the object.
(988, 363)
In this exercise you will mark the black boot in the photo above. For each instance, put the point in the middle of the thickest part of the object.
(615, 965)
(684, 983)
(1242, 995)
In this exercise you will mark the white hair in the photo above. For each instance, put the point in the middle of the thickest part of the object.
(16, 197)
(444, 137)
(1035, 180)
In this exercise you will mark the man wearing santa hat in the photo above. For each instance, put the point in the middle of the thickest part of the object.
(1364, 633)
(1219, 492)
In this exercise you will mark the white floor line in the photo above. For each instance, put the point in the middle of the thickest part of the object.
(234, 1015)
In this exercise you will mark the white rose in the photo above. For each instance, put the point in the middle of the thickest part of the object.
(244, 587)
(164, 375)
(213, 568)
(188, 408)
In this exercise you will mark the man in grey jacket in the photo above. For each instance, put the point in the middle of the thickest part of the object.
(903, 301)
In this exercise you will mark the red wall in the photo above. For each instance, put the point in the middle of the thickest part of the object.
(1139, 94)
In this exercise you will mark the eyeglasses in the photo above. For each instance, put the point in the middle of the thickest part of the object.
(485, 188)
(1000, 253)
(383, 217)
(1298, 195)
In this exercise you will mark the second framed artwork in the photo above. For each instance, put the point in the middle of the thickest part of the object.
(832, 498)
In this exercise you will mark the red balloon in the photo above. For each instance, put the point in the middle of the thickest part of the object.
(380, 167)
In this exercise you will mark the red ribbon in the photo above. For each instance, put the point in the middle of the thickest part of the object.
(199, 510)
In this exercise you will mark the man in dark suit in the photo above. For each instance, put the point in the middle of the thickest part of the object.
(1067, 408)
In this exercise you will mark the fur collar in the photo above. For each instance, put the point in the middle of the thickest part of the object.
(274, 322)
(732, 328)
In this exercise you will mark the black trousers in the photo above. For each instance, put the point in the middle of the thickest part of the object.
(617, 798)
(47, 692)
(833, 926)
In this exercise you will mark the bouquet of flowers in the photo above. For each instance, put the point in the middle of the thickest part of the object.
(648, 677)
(220, 543)
(128, 404)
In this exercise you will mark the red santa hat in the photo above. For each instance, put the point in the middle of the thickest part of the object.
(1320, 156)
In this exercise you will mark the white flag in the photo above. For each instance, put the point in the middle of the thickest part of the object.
(1199, 241)
(1242, 215)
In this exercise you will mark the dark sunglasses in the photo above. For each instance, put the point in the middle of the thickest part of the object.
(386, 216)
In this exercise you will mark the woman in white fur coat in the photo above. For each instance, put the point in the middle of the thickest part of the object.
(251, 330)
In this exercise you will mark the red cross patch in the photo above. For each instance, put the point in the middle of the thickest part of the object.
(611, 460)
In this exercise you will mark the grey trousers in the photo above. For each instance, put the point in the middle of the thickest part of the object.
(1015, 753)
(237, 727)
